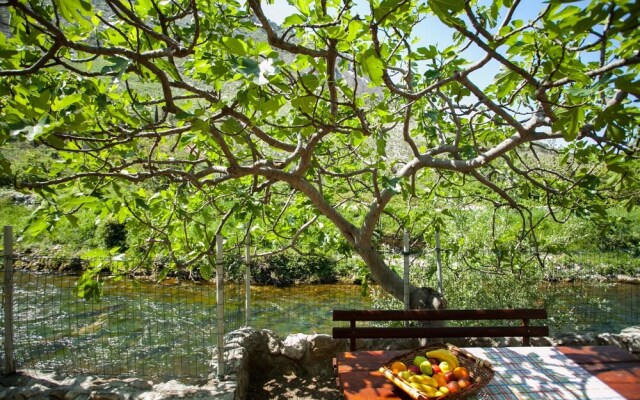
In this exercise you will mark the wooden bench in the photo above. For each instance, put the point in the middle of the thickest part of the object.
(354, 332)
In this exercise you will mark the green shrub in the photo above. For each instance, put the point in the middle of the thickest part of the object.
(284, 269)
(113, 235)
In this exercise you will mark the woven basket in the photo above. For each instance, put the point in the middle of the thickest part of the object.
(480, 370)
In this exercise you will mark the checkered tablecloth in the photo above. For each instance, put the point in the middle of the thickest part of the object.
(539, 373)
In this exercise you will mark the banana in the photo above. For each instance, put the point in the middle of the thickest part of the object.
(429, 390)
(444, 355)
(423, 380)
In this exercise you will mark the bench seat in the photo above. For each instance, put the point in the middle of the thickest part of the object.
(524, 315)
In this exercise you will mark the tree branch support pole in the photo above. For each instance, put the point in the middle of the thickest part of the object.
(247, 282)
(220, 305)
(439, 261)
(7, 302)
(405, 253)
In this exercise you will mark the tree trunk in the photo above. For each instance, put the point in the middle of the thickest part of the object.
(420, 298)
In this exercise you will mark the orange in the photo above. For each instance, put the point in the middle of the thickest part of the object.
(461, 373)
(440, 378)
(397, 367)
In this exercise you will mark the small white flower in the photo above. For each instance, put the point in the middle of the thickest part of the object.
(266, 68)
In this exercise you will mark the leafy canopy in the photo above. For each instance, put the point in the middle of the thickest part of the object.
(188, 118)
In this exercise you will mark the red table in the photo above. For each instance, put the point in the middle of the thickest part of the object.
(360, 379)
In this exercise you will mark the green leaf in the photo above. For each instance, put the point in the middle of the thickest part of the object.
(392, 184)
(237, 46)
(64, 102)
(118, 65)
(310, 81)
(78, 11)
(373, 67)
(453, 6)
(294, 19)
(569, 122)
(302, 6)
(198, 125)
(628, 84)
(445, 10)
(168, 67)
(81, 200)
(248, 66)
(306, 104)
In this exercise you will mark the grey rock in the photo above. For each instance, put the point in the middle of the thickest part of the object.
(104, 395)
(631, 338)
(15, 395)
(139, 384)
(573, 339)
(295, 346)
(274, 343)
(76, 393)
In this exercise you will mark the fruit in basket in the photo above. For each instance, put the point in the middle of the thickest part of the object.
(425, 368)
(445, 367)
(398, 366)
(442, 381)
(405, 374)
(426, 389)
(449, 376)
(424, 380)
(443, 390)
(419, 360)
(415, 369)
(464, 383)
(444, 355)
(436, 368)
(461, 373)
(453, 387)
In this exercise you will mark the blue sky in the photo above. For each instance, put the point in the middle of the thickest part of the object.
(435, 33)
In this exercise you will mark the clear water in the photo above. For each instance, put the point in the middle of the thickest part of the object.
(169, 330)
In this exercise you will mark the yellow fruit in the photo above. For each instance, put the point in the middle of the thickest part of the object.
(405, 375)
(444, 355)
(424, 380)
(397, 367)
(428, 390)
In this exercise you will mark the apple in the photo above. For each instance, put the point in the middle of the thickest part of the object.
(434, 361)
(449, 376)
(405, 374)
(436, 368)
(419, 360)
(444, 367)
(426, 368)
(414, 369)
(453, 387)
(464, 383)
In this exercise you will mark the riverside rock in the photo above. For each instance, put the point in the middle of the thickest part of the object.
(630, 337)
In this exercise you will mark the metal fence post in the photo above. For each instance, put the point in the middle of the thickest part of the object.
(439, 261)
(405, 252)
(247, 282)
(7, 302)
(220, 304)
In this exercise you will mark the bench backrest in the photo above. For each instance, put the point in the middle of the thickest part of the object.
(523, 314)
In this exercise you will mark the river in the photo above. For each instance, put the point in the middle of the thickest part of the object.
(169, 329)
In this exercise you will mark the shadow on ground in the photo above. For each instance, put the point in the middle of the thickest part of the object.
(272, 386)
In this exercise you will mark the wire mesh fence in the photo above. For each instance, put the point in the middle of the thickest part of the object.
(168, 329)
